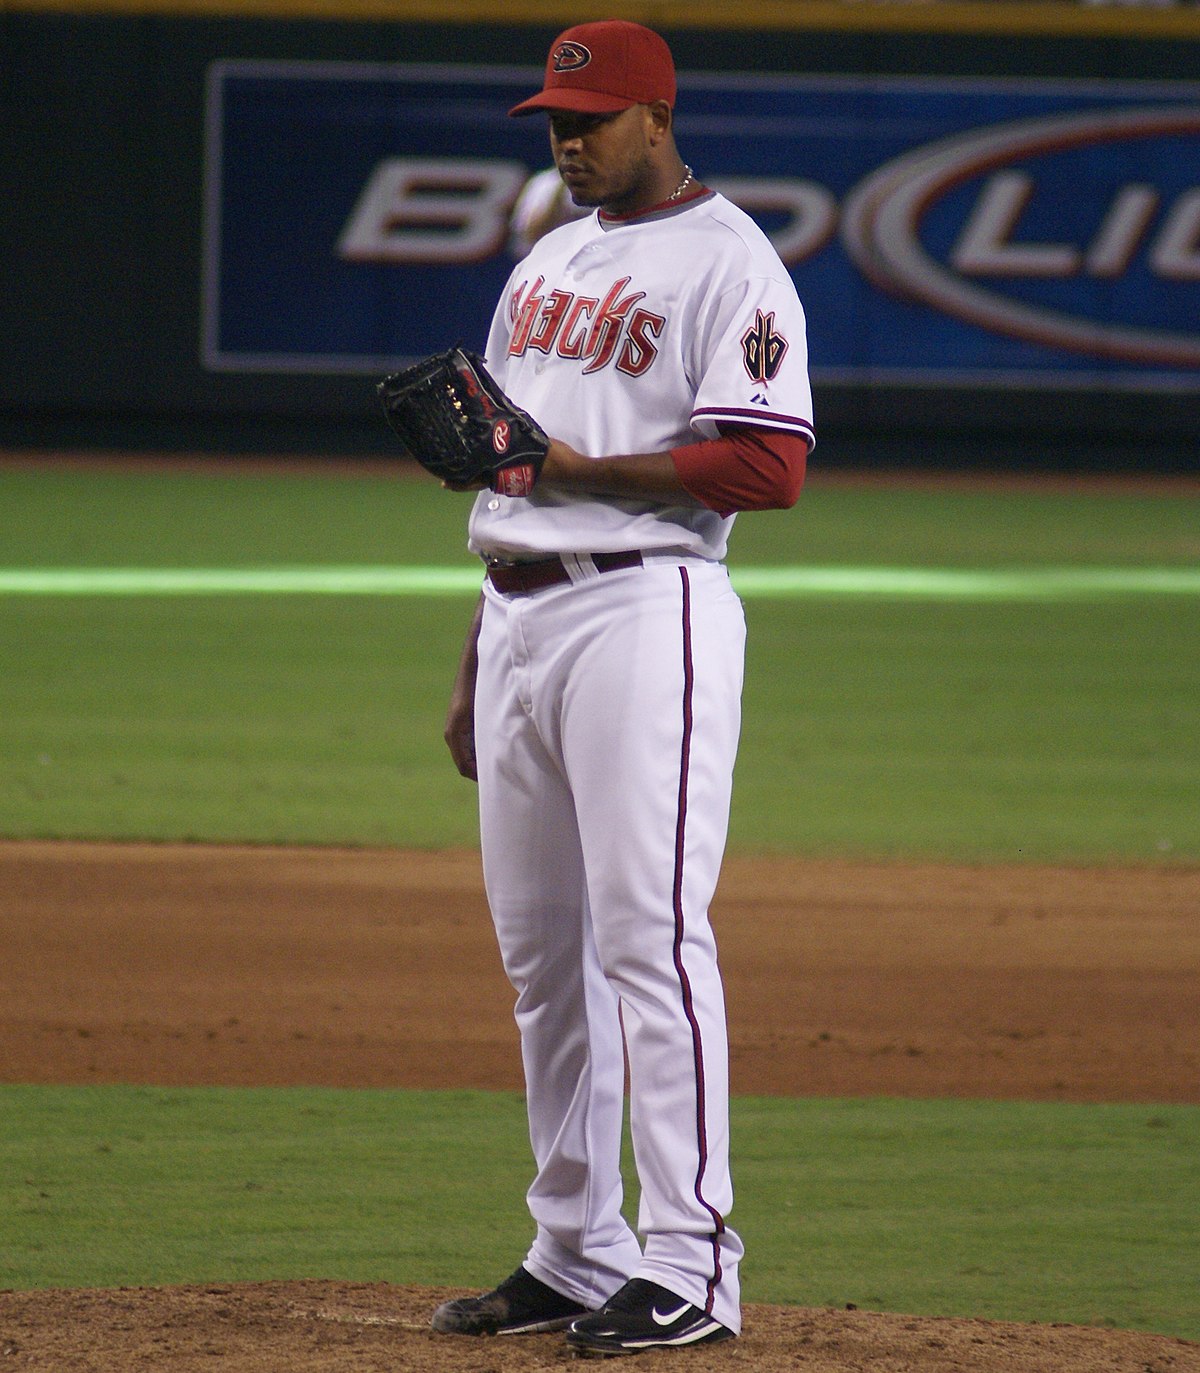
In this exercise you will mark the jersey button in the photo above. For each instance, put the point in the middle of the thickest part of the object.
(493, 505)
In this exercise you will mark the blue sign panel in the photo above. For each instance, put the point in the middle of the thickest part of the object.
(939, 231)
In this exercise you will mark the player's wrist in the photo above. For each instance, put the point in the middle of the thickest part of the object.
(631, 476)
(563, 465)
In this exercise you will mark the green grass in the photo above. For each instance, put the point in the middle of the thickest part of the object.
(986, 731)
(298, 720)
(108, 517)
(1022, 1212)
(1026, 1212)
(957, 527)
(976, 732)
(69, 517)
(1062, 732)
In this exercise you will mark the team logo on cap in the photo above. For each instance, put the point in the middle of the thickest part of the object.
(569, 57)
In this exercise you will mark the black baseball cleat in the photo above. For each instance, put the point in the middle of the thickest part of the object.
(642, 1315)
(521, 1305)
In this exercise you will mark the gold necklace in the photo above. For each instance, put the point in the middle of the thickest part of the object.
(683, 185)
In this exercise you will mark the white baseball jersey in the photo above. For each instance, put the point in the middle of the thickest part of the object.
(637, 337)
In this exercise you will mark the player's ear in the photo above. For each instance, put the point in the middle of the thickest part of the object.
(658, 121)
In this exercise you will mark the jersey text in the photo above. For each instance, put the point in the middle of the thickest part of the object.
(589, 329)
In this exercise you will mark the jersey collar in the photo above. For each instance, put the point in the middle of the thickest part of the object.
(663, 210)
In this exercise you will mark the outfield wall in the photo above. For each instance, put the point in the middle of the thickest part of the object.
(227, 219)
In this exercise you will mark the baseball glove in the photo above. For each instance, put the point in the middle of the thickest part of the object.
(458, 424)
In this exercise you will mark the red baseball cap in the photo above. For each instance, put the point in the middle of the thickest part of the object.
(603, 68)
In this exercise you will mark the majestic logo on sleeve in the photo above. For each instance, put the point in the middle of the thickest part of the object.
(595, 331)
(762, 348)
(569, 57)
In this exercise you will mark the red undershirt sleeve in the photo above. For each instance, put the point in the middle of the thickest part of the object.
(744, 469)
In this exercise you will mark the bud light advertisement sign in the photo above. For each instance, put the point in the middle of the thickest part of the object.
(940, 231)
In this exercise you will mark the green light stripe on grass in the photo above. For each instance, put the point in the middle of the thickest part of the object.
(941, 583)
(221, 581)
(1012, 584)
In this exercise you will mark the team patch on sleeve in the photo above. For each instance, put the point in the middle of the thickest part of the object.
(763, 349)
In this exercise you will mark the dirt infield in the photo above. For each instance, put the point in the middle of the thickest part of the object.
(189, 965)
(192, 965)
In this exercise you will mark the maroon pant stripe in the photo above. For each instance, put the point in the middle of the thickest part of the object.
(684, 980)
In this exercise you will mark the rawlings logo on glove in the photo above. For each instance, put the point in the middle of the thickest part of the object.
(459, 425)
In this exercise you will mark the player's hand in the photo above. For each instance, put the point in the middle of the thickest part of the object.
(460, 737)
(560, 462)
(459, 732)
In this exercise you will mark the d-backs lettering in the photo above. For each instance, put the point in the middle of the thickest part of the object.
(593, 330)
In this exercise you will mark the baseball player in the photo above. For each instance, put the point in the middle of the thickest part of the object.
(660, 344)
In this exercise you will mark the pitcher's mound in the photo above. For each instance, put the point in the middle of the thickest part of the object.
(330, 1327)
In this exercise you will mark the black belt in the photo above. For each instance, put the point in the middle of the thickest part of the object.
(519, 579)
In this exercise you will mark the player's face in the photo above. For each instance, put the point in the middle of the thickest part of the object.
(604, 159)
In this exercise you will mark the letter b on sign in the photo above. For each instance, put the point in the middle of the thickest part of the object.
(433, 210)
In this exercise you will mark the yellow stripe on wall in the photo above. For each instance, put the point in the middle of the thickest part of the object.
(1069, 18)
